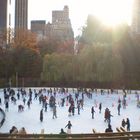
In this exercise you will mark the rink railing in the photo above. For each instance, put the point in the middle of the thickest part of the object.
(102, 136)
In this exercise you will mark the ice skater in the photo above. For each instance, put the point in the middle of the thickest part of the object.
(78, 107)
(35, 97)
(62, 102)
(28, 103)
(70, 110)
(124, 103)
(54, 112)
(24, 100)
(46, 106)
(128, 124)
(119, 107)
(6, 106)
(69, 125)
(73, 110)
(123, 123)
(100, 107)
(18, 95)
(92, 112)
(41, 115)
(109, 117)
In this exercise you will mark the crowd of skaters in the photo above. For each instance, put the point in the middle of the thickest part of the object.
(73, 102)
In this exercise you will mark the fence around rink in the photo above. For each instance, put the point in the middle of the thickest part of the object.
(102, 136)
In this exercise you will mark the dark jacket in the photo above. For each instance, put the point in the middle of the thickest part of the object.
(69, 125)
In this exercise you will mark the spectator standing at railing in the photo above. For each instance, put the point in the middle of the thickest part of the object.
(62, 131)
(22, 131)
(13, 130)
(29, 103)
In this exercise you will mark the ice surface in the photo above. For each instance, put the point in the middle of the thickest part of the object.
(82, 123)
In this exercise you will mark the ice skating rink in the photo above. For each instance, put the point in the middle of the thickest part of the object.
(83, 123)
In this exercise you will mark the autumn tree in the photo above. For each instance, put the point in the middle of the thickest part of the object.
(25, 38)
(46, 46)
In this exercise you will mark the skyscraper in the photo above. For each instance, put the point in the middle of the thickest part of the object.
(61, 24)
(135, 26)
(6, 21)
(21, 14)
(38, 27)
(3, 14)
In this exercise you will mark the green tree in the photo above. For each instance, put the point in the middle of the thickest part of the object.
(6, 64)
(95, 32)
(58, 68)
(27, 62)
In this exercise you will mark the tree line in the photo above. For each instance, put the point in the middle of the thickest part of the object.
(106, 58)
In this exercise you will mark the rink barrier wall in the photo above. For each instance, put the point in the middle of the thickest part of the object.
(102, 136)
(37, 82)
(3, 118)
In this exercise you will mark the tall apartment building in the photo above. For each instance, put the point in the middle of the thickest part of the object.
(6, 21)
(135, 26)
(38, 27)
(60, 28)
(3, 14)
(61, 24)
(21, 14)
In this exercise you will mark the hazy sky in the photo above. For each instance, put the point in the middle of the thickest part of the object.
(109, 11)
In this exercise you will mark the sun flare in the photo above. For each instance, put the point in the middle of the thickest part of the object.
(111, 12)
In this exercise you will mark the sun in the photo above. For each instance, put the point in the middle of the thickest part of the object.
(111, 12)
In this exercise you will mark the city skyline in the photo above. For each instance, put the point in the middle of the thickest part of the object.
(107, 11)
